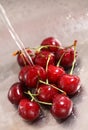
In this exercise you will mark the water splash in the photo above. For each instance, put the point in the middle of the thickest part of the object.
(14, 35)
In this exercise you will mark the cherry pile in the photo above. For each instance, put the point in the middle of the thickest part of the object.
(46, 81)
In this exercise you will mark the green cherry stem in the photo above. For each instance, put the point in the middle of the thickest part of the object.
(46, 46)
(58, 64)
(21, 54)
(47, 65)
(34, 99)
(73, 64)
(69, 46)
(52, 86)
(48, 62)
(35, 94)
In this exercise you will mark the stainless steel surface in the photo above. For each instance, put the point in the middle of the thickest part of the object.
(33, 21)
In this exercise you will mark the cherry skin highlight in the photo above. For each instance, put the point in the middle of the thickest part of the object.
(54, 73)
(42, 57)
(41, 72)
(23, 72)
(46, 93)
(15, 93)
(53, 42)
(29, 110)
(33, 75)
(61, 107)
(70, 83)
(68, 57)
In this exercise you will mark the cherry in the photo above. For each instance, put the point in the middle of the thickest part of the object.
(23, 72)
(46, 93)
(68, 57)
(69, 83)
(33, 75)
(52, 42)
(41, 72)
(22, 60)
(54, 73)
(61, 107)
(42, 57)
(15, 93)
(29, 110)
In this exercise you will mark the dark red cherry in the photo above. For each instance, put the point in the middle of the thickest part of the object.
(46, 93)
(29, 110)
(33, 75)
(23, 72)
(41, 72)
(15, 93)
(53, 42)
(54, 73)
(61, 107)
(70, 83)
(67, 58)
(42, 57)
(22, 60)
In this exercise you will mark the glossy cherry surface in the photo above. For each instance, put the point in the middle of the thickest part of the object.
(33, 75)
(22, 59)
(68, 57)
(54, 73)
(70, 83)
(43, 80)
(53, 42)
(15, 93)
(62, 106)
(46, 93)
(41, 72)
(42, 57)
(23, 72)
(29, 110)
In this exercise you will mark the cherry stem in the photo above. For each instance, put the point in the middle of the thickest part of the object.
(23, 59)
(15, 53)
(53, 87)
(35, 94)
(46, 46)
(48, 62)
(69, 46)
(60, 59)
(41, 47)
(33, 98)
(73, 64)
(21, 54)
(58, 64)
(47, 65)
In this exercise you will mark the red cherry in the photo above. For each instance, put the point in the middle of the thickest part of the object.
(22, 60)
(61, 107)
(15, 93)
(54, 73)
(70, 83)
(33, 75)
(41, 72)
(42, 57)
(51, 41)
(67, 58)
(23, 72)
(29, 110)
(46, 93)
